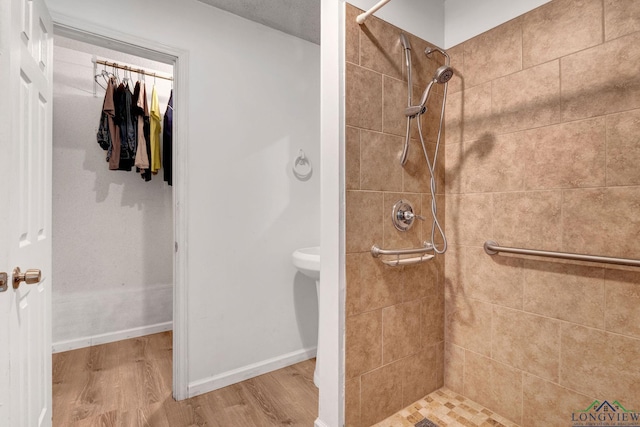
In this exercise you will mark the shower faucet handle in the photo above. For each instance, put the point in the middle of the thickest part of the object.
(403, 216)
(410, 216)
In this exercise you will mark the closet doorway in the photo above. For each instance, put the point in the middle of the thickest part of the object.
(114, 233)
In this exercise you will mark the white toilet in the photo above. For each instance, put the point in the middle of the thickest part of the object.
(307, 261)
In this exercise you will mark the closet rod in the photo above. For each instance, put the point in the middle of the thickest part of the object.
(135, 70)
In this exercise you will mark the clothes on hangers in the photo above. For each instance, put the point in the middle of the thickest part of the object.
(141, 112)
(156, 162)
(167, 141)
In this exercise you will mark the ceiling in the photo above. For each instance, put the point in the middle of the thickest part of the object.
(300, 18)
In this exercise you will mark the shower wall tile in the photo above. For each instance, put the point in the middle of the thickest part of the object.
(623, 148)
(454, 365)
(611, 367)
(454, 114)
(376, 172)
(494, 385)
(621, 17)
(455, 158)
(548, 404)
(381, 393)
(363, 343)
(559, 28)
(440, 361)
(401, 331)
(527, 342)
(380, 285)
(476, 113)
(353, 262)
(393, 238)
(468, 324)
(578, 292)
(352, 34)
(549, 148)
(622, 290)
(420, 375)
(363, 91)
(394, 98)
(364, 216)
(601, 80)
(457, 82)
(416, 176)
(432, 318)
(494, 163)
(380, 47)
(424, 66)
(527, 99)
(352, 158)
(528, 219)
(421, 281)
(496, 280)
(493, 54)
(352, 402)
(470, 218)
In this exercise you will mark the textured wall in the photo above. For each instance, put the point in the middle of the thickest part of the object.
(113, 232)
(542, 152)
(395, 315)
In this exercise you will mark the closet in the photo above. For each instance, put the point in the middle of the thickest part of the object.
(112, 229)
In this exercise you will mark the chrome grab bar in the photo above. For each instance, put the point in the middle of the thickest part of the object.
(492, 248)
(376, 252)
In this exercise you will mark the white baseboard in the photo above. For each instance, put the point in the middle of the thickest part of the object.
(74, 344)
(244, 373)
(319, 423)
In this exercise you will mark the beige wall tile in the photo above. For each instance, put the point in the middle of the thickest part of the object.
(394, 102)
(394, 238)
(364, 218)
(477, 114)
(421, 281)
(455, 167)
(493, 54)
(352, 401)
(457, 82)
(621, 17)
(469, 218)
(352, 271)
(527, 342)
(494, 385)
(497, 280)
(610, 367)
(526, 99)
(454, 362)
(381, 393)
(363, 350)
(363, 98)
(567, 155)
(548, 404)
(379, 166)
(468, 324)
(416, 176)
(380, 47)
(381, 285)
(352, 34)
(564, 291)
(623, 148)
(424, 67)
(529, 219)
(560, 28)
(601, 80)
(352, 158)
(495, 163)
(420, 375)
(453, 117)
(401, 331)
(440, 364)
(432, 318)
(622, 314)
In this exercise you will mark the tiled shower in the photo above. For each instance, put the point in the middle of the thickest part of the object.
(542, 151)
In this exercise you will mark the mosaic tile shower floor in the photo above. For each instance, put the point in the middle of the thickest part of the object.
(444, 408)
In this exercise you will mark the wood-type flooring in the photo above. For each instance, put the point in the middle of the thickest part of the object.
(128, 384)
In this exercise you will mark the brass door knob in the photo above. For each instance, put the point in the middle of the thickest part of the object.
(31, 276)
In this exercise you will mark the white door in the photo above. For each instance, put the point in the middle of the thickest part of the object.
(26, 46)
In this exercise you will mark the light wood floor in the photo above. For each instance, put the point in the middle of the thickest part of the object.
(128, 384)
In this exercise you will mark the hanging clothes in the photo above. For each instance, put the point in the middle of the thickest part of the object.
(124, 120)
(109, 108)
(167, 141)
(156, 162)
(141, 110)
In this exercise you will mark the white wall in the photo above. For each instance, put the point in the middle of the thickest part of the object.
(465, 19)
(423, 18)
(112, 232)
(253, 102)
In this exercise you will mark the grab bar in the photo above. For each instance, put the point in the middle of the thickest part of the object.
(492, 248)
(376, 252)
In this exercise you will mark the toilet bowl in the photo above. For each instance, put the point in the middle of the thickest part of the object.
(307, 261)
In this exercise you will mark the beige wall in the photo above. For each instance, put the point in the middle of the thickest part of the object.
(543, 152)
(395, 315)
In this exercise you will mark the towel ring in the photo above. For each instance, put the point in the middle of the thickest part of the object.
(302, 167)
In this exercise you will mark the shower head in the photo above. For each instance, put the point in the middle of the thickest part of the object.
(405, 41)
(443, 74)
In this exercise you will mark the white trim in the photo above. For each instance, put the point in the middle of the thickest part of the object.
(64, 24)
(77, 343)
(320, 423)
(236, 375)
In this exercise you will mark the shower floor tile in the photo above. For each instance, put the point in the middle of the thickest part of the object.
(444, 408)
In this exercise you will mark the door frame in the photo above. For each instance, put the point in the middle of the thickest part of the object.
(87, 32)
